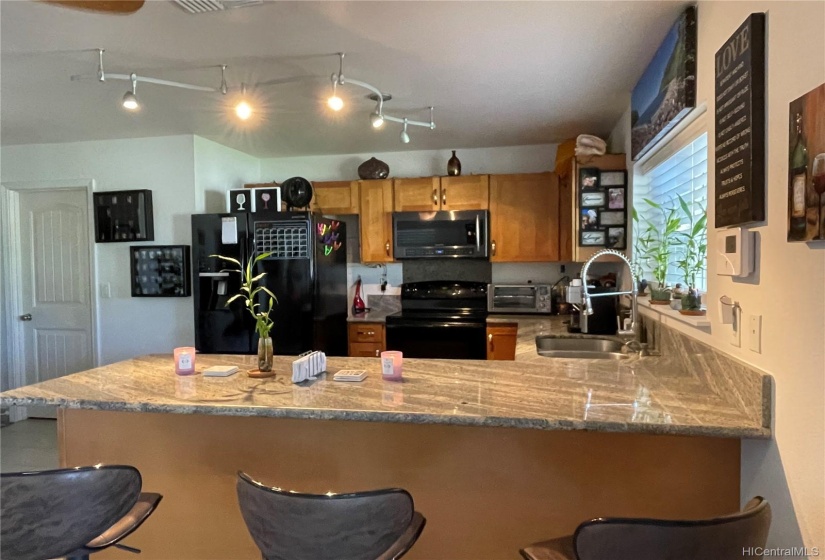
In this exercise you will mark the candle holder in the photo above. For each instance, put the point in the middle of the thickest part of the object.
(391, 365)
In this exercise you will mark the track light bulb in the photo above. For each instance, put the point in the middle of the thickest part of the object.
(377, 120)
(243, 110)
(335, 103)
(405, 138)
(130, 102)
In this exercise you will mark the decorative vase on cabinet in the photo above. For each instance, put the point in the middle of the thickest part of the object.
(454, 166)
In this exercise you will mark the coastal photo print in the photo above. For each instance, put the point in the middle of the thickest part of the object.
(806, 179)
(666, 92)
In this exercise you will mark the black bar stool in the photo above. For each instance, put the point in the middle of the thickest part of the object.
(380, 524)
(617, 538)
(70, 512)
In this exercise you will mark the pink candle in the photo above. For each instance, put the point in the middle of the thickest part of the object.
(391, 361)
(185, 360)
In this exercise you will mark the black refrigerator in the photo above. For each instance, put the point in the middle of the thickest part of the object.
(307, 271)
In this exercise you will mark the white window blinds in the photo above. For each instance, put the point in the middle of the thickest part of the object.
(684, 174)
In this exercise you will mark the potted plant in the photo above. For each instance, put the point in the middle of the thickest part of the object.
(250, 292)
(641, 245)
(662, 241)
(694, 241)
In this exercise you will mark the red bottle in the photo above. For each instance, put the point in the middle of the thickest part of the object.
(358, 303)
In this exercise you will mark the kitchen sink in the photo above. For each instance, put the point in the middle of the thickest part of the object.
(582, 348)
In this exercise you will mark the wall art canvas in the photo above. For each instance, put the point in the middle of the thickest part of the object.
(666, 91)
(806, 169)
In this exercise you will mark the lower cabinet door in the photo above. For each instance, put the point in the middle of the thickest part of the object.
(501, 341)
(365, 349)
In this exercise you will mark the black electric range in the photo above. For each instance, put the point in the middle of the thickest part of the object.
(440, 319)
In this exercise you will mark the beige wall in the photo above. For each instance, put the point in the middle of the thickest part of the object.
(788, 289)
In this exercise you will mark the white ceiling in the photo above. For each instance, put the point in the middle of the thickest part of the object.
(498, 73)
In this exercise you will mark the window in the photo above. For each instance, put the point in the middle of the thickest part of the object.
(685, 174)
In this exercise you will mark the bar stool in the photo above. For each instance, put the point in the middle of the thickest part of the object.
(616, 538)
(379, 524)
(70, 512)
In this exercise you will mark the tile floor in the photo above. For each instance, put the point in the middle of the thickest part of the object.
(29, 445)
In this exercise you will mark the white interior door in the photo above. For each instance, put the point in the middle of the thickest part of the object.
(55, 295)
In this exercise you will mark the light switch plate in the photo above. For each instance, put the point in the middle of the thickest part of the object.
(755, 333)
(105, 290)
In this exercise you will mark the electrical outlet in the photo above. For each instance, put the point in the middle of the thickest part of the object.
(736, 328)
(755, 333)
(105, 290)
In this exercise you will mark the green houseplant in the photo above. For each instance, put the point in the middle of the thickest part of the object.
(642, 241)
(694, 241)
(660, 241)
(250, 292)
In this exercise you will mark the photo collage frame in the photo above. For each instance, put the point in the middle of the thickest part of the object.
(603, 208)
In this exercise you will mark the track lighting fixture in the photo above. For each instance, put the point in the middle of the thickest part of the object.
(130, 101)
(243, 109)
(405, 138)
(377, 117)
(336, 103)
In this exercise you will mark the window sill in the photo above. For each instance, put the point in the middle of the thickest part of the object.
(663, 312)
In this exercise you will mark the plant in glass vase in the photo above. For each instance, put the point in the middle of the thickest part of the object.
(661, 240)
(694, 242)
(251, 291)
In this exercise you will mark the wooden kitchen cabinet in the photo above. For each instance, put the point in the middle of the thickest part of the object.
(366, 340)
(431, 194)
(375, 204)
(422, 194)
(501, 341)
(471, 192)
(524, 217)
(335, 197)
(570, 209)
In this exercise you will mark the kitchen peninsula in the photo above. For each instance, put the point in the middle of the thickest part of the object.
(571, 439)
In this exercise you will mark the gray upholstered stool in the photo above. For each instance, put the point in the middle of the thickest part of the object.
(70, 512)
(721, 538)
(375, 525)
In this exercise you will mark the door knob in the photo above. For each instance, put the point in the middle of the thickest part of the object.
(26, 317)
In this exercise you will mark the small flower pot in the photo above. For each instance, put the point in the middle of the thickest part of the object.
(659, 296)
(692, 304)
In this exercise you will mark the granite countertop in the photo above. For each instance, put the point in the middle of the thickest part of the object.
(647, 395)
(377, 316)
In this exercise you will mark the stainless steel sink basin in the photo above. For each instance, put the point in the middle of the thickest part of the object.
(582, 348)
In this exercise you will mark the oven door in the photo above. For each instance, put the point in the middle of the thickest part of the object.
(451, 340)
(524, 299)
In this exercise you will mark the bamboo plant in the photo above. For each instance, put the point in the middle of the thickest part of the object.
(660, 242)
(250, 291)
(694, 241)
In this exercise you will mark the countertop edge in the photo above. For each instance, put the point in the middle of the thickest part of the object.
(398, 417)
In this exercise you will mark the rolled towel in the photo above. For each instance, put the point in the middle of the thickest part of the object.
(588, 145)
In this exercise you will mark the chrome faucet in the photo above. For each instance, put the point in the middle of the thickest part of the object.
(581, 300)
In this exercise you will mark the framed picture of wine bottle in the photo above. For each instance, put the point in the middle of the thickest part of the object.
(806, 176)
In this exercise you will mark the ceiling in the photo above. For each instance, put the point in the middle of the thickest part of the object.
(498, 73)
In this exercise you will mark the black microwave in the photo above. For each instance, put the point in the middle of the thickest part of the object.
(427, 235)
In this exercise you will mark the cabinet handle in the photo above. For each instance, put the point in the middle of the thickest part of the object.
(435, 197)
(387, 247)
(443, 196)
(490, 340)
(493, 247)
(377, 353)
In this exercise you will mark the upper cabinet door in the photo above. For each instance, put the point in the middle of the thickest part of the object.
(417, 195)
(335, 197)
(376, 221)
(465, 193)
(524, 217)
